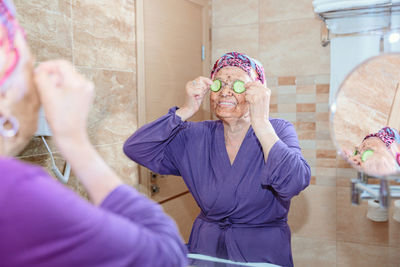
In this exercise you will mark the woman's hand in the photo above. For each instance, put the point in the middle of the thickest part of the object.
(195, 92)
(258, 96)
(66, 97)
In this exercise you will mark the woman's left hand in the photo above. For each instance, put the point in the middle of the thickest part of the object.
(258, 96)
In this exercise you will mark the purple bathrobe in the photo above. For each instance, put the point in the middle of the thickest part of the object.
(244, 206)
(42, 223)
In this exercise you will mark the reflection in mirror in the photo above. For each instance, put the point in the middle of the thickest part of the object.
(366, 116)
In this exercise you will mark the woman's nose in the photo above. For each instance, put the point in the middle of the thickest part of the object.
(356, 160)
(226, 90)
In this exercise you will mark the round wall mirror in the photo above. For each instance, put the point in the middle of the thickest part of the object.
(365, 117)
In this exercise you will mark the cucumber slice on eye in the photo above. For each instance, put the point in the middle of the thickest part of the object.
(238, 87)
(367, 154)
(216, 86)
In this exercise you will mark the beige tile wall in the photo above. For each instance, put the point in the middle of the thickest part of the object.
(285, 36)
(98, 37)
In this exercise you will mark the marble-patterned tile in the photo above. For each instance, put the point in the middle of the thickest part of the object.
(287, 108)
(313, 252)
(325, 171)
(290, 116)
(104, 34)
(272, 81)
(323, 116)
(322, 88)
(326, 153)
(326, 180)
(306, 116)
(114, 156)
(307, 144)
(305, 98)
(227, 39)
(286, 98)
(37, 147)
(234, 12)
(113, 117)
(279, 10)
(285, 37)
(394, 257)
(326, 162)
(323, 78)
(286, 89)
(353, 224)
(373, 86)
(305, 80)
(288, 80)
(48, 26)
(322, 98)
(310, 107)
(365, 255)
(342, 163)
(45, 161)
(325, 144)
(322, 107)
(306, 89)
(309, 153)
(273, 108)
(313, 213)
(305, 126)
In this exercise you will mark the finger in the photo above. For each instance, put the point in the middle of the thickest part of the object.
(205, 80)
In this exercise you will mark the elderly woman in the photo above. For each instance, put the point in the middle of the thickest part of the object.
(379, 153)
(242, 169)
(42, 223)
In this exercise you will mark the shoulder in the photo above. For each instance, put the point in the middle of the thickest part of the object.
(201, 127)
(280, 124)
(16, 170)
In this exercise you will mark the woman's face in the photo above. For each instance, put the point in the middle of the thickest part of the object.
(226, 104)
(373, 157)
(20, 100)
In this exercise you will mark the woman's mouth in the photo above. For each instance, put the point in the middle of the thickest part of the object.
(226, 104)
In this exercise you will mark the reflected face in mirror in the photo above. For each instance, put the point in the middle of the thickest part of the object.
(225, 103)
(374, 157)
(368, 101)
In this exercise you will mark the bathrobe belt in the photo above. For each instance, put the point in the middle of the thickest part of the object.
(227, 223)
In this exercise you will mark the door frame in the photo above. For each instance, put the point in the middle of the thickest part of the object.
(144, 177)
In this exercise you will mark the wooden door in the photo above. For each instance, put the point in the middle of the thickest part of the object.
(173, 42)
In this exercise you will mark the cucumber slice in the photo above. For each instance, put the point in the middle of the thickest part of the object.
(367, 154)
(216, 86)
(238, 87)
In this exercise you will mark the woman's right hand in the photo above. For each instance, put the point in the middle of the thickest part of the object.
(66, 97)
(195, 92)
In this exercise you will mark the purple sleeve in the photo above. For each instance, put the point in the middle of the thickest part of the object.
(46, 224)
(151, 147)
(286, 170)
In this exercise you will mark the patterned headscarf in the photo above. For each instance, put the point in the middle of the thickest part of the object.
(9, 27)
(235, 59)
(389, 136)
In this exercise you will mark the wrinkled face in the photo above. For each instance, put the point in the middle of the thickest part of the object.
(373, 157)
(226, 104)
(20, 100)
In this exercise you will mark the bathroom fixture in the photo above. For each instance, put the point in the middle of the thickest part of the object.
(363, 33)
(43, 130)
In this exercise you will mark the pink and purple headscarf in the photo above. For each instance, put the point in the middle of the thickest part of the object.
(388, 136)
(9, 26)
(235, 59)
